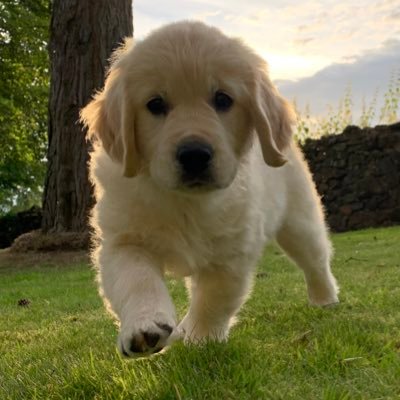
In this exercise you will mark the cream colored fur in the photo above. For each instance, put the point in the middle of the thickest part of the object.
(148, 222)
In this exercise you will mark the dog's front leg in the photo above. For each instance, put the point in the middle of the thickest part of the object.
(215, 297)
(133, 285)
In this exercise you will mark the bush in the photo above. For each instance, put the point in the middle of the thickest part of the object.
(14, 225)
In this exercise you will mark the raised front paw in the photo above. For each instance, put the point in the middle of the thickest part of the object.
(145, 336)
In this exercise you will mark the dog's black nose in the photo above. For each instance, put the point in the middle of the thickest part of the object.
(194, 158)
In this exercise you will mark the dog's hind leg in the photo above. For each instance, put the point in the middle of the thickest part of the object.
(304, 238)
(306, 242)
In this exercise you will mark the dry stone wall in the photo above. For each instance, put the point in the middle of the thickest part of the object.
(357, 173)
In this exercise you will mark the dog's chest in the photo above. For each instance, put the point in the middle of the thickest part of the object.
(190, 239)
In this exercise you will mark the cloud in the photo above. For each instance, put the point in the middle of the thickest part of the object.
(310, 27)
(367, 74)
(395, 15)
(303, 41)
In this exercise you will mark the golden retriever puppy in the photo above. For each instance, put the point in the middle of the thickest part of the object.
(195, 171)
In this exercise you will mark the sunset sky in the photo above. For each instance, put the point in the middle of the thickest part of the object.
(296, 38)
(315, 49)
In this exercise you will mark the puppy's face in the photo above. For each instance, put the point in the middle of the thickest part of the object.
(191, 126)
(181, 106)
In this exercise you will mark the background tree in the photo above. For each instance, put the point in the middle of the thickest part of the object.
(82, 37)
(24, 86)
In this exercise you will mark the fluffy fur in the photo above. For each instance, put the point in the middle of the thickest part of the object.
(149, 221)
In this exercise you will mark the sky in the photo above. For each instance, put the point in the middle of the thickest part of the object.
(313, 48)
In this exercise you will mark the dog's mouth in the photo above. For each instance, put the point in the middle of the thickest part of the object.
(197, 181)
(198, 184)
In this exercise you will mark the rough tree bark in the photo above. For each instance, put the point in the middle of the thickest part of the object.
(83, 34)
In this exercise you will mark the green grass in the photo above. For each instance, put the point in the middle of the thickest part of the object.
(62, 346)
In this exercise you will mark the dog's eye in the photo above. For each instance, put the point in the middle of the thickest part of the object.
(157, 106)
(222, 102)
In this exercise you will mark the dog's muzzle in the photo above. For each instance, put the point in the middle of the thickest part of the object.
(194, 159)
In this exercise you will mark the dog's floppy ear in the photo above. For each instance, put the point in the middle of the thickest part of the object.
(272, 118)
(110, 117)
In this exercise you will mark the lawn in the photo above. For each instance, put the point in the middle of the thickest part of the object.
(62, 344)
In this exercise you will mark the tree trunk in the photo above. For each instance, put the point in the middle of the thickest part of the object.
(83, 34)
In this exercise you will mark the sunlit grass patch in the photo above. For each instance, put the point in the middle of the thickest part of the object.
(62, 344)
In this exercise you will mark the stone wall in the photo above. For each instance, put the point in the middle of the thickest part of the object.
(357, 173)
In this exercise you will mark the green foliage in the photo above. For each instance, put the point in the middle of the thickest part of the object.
(392, 100)
(338, 118)
(62, 346)
(24, 84)
(368, 112)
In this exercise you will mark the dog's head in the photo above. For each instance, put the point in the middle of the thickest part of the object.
(182, 106)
